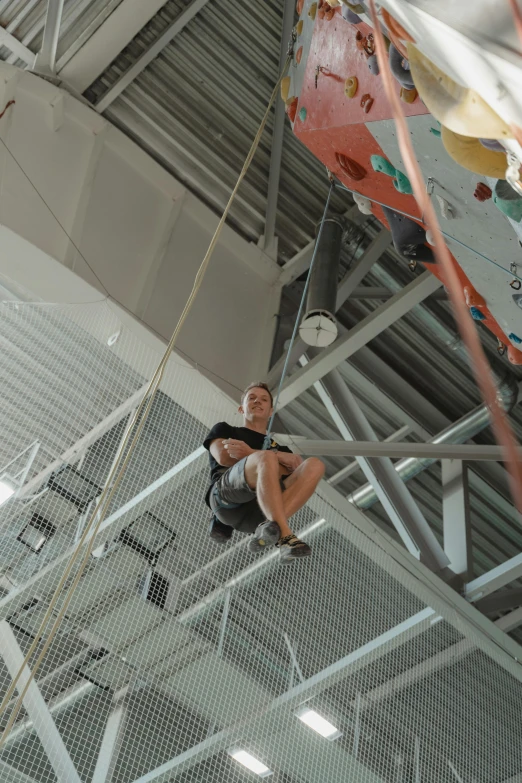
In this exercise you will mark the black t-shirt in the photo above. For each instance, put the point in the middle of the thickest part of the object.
(224, 431)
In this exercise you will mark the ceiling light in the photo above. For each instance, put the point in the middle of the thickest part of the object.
(250, 762)
(318, 723)
(7, 489)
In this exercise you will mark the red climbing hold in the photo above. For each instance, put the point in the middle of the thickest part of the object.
(299, 6)
(350, 167)
(298, 55)
(291, 109)
(482, 192)
(366, 102)
(473, 298)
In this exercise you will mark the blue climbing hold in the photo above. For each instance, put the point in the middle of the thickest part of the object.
(350, 16)
(515, 338)
(476, 314)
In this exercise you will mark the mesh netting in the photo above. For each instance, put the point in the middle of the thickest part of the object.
(174, 653)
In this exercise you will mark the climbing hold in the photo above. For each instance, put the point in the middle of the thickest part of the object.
(364, 204)
(299, 27)
(299, 55)
(446, 210)
(492, 144)
(302, 114)
(514, 355)
(312, 11)
(409, 96)
(515, 338)
(476, 314)
(285, 88)
(400, 68)
(360, 41)
(473, 298)
(373, 65)
(508, 200)
(351, 86)
(382, 165)
(366, 102)
(402, 183)
(320, 9)
(349, 15)
(469, 153)
(460, 109)
(517, 298)
(350, 167)
(329, 14)
(291, 108)
(482, 192)
(436, 132)
(408, 237)
(429, 237)
(299, 7)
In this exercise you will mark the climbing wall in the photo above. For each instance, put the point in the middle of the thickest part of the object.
(342, 115)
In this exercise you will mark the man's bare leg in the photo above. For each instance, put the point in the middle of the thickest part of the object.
(301, 485)
(262, 474)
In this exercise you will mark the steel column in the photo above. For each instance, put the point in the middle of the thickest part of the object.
(37, 709)
(367, 448)
(456, 517)
(45, 62)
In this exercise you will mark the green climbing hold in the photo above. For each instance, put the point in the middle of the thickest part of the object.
(400, 180)
(508, 200)
(436, 132)
(302, 114)
(402, 183)
(382, 165)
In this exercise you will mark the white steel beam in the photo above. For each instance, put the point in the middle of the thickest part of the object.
(369, 328)
(150, 54)
(288, 701)
(268, 240)
(37, 709)
(493, 580)
(510, 621)
(80, 447)
(111, 743)
(353, 466)
(400, 507)
(45, 62)
(340, 448)
(15, 46)
(118, 30)
(500, 602)
(456, 517)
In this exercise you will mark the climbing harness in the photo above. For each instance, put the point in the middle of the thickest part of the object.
(120, 463)
(268, 436)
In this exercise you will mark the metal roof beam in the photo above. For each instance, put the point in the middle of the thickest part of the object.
(500, 602)
(268, 240)
(493, 580)
(456, 517)
(150, 54)
(98, 52)
(37, 709)
(353, 466)
(365, 331)
(15, 46)
(45, 63)
(10, 774)
(368, 448)
(400, 507)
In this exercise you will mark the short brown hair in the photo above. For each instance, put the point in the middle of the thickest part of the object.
(257, 385)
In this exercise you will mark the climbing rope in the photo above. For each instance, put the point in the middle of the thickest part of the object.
(121, 461)
(469, 334)
(268, 437)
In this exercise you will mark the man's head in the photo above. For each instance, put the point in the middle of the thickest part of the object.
(256, 403)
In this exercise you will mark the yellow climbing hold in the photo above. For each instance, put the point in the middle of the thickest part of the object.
(408, 96)
(471, 155)
(299, 27)
(285, 88)
(351, 86)
(313, 11)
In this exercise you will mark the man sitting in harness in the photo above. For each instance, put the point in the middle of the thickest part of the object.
(255, 490)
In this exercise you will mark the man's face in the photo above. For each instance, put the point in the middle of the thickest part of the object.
(256, 405)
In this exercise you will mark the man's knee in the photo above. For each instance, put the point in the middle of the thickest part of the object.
(263, 458)
(315, 467)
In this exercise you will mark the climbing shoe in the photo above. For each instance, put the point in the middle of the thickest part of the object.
(219, 532)
(267, 534)
(291, 547)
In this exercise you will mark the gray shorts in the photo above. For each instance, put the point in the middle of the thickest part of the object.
(234, 502)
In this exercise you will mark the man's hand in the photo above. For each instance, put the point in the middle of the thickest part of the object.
(289, 461)
(237, 449)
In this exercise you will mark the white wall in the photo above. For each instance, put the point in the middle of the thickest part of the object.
(142, 234)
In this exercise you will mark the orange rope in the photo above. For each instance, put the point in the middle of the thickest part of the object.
(468, 332)
(517, 18)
